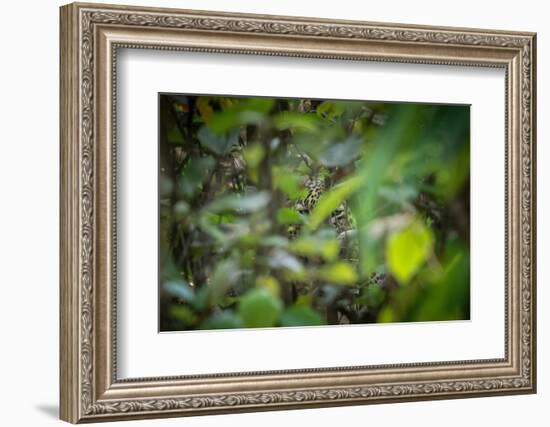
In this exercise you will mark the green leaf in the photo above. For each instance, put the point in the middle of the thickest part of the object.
(408, 249)
(181, 209)
(225, 275)
(174, 136)
(259, 308)
(331, 199)
(300, 121)
(243, 112)
(183, 314)
(288, 183)
(387, 315)
(269, 283)
(253, 155)
(374, 296)
(341, 154)
(302, 315)
(305, 246)
(193, 175)
(165, 186)
(339, 273)
(274, 241)
(179, 289)
(217, 143)
(398, 194)
(241, 204)
(224, 320)
(330, 249)
(282, 259)
(331, 109)
(311, 246)
(288, 216)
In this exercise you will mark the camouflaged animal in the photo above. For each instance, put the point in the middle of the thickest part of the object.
(340, 219)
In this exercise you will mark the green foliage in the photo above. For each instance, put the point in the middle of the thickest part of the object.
(288, 216)
(332, 200)
(245, 244)
(259, 308)
(217, 143)
(301, 315)
(339, 273)
(408, 249)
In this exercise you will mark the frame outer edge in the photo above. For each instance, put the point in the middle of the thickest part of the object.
(69, 354)
(533, 124)
(77, 225)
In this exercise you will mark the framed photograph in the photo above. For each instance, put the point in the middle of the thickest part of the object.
(266, 212)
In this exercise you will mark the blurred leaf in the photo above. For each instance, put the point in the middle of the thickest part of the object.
(342, 153)
(275, 241)
(204, 107)
(305, 246)
(225, 275)
(311, 246)
(300, 121)
(288, 216)
(330, 249)
(387, 315)
(243, 111)
(181, 209)
(174, 135)
(183, 314)
(165, 186)
(448, 296)
(403, 130)
(194, 174)
(217, 143)
(288, 183)
(254, 154)
(339, 273)
(331, 199)
(331, 109)
(179, 289)
(282, 259)
(240, 204)
(224, 320)
(269, 283)
(408, 249)
(451, 178)
(301, 315)
(375, 295)
(259, 308)
(226, 121)
(398, 194)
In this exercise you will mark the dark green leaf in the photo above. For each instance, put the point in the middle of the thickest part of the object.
(259, 308)
(341, 154)
(217, 143)
(301, 316)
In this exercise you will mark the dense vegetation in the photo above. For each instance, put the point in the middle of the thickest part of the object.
(289, 212)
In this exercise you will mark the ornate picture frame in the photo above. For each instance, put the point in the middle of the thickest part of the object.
(90, 37)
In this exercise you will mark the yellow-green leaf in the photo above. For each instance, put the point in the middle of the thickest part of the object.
(331, 199)
(408, 249)
(339, 273)
(259, 308)
(269, 283)
(253, 155)
(287, 216)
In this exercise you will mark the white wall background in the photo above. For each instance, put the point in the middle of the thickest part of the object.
(29, 170)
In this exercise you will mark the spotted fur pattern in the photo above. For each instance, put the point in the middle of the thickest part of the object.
(340, 218)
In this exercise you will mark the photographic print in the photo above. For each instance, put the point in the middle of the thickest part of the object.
(304, 212)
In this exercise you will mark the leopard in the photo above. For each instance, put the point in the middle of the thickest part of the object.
(340, 219)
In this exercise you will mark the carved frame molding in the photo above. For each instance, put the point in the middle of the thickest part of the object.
(90, 37)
